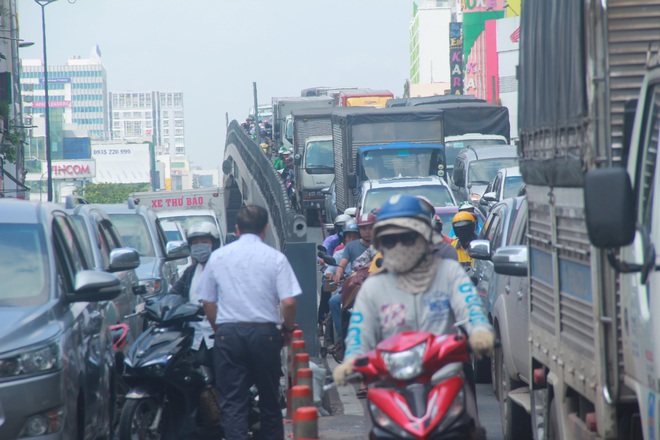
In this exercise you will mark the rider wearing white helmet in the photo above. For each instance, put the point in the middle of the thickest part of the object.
(203, 238)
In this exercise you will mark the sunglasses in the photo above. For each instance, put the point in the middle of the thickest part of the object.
(406, 239)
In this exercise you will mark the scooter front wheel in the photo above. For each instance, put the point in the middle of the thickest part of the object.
(137, 420)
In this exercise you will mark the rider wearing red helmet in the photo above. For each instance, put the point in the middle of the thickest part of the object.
(356, 248)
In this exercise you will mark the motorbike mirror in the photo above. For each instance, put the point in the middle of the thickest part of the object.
(329, 260)
(321, 248)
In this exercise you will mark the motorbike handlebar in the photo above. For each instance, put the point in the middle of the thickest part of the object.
(353, 377)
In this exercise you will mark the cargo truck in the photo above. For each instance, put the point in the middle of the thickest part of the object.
(282, 121)
(382, 143)
(312, 133)
(362, 98)
(594, 344)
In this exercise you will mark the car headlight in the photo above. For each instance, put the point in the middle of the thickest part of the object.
(152, 286)
(405, 365)
(384, 421)
(36, 361)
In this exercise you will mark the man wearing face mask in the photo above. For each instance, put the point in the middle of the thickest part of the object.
(415, 290)
(203, 238)
(464, 228)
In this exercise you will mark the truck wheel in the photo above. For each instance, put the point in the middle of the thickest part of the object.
(516, 423)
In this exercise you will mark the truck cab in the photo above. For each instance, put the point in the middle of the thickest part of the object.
(317, 169)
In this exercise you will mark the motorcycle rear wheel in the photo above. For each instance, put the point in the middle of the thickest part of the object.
(137, 416)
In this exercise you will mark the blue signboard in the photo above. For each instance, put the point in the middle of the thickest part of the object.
(55, 80)
(76, 148)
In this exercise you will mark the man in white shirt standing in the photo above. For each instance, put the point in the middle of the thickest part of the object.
(244, 287)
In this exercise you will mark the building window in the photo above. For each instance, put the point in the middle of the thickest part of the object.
(148, 124)
(166, 132)
(137, 115)
(115, 115)
(116, 124)
(166, 123)
(180, 150)
(178, 141)
(178, 132)
(133, 128)
(178, 123)
(178, 114)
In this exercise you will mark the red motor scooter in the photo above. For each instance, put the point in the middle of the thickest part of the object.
(405, 403)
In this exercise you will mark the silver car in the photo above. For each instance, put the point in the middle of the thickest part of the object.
(56, 359)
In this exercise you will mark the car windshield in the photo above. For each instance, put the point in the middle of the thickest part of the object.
(452, 148)
(481, 172)
(24, 267)
(319, 155)
(186, 221)
(135, 233)
(438, 195)
(512, 186)
(400, 162)
(79, 221)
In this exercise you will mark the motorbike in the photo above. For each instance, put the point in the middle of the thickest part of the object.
(171, 394)
(417, 389)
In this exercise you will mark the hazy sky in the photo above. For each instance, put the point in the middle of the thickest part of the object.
(213, 50)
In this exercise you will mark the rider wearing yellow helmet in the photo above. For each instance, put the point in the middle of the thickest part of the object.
(464, 228)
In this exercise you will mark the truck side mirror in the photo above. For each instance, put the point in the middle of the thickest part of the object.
(352, 180)
(609, 207)
(297, 159)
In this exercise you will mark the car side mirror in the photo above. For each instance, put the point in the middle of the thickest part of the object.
(326, 191)
(609, 204)
(489, 197)
(297, 159)
(123, 259)
(175, 250)
(93, 286)
(511, 260)
(479, 249)
(351, 181)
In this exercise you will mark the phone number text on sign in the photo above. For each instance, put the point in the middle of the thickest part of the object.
(112, 151)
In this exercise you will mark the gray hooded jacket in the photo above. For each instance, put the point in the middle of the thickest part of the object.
(382, 309)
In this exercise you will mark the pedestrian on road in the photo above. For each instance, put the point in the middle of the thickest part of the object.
(242, 288)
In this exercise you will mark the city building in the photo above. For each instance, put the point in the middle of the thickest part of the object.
(149, 116)
(79, 88)
(429, 47)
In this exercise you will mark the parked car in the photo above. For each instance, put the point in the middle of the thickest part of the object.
(140, 229)
(56, 354)
(99, 238)
(501, 270)
(507, 183)
(373, 193)
(476, 167)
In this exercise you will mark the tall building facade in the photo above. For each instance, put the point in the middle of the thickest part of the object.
(429, 42)
(149, 116)
(79, 88)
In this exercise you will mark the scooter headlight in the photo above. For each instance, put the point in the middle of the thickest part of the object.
(405, 365)
(384, 421)
(454, 412)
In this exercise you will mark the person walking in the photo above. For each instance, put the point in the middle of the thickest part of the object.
(241, 289)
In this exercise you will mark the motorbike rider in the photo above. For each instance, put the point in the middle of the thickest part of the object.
(203, 239)
(415, 289)
(464, 228)
(356, 248)
(469, 207)
(264, 141)
(332, 241)
(280, 162)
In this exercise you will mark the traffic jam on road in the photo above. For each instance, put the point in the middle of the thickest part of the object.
(484, 269)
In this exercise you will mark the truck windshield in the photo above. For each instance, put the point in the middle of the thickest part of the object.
(512, 186)
(24, 266)
(438, 195)
(481, 172)
(133, 230)
(452, 148)
(186, 221)
(407, 162)
(288, 129)
(320, 155)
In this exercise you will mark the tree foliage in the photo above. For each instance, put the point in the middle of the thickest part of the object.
(110, 192)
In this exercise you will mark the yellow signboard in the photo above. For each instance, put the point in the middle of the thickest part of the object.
(367, 101)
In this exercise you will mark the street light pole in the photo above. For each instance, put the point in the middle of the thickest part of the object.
(49, 161)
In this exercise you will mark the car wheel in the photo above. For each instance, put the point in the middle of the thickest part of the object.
(516, 423)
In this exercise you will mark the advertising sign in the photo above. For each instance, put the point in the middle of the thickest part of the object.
(121, 162)
(74, 169)
(456, 58)
(56, 80)
(51, 104)
(483, 5)
(76, 148)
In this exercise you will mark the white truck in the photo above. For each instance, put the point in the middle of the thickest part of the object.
(594, 362)
(191, 199)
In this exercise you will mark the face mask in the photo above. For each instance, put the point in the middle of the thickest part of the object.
(402, 259)
(464, 236)
(200, 252)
